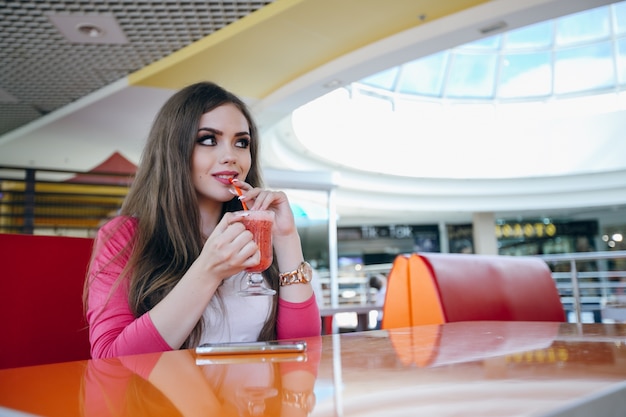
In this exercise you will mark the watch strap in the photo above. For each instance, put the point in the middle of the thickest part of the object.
(301, 275)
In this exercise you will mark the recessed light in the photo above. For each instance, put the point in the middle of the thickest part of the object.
(90, 30)
(97, 29)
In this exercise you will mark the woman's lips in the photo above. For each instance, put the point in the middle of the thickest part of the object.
(224, 178)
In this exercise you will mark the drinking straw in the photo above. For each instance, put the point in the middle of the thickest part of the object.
(243, 203)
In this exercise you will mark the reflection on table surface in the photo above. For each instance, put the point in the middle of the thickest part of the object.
(467, 368)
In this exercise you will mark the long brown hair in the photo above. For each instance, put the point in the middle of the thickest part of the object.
(163, 200)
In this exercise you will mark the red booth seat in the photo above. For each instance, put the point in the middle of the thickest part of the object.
(41, 286)
(434, 288)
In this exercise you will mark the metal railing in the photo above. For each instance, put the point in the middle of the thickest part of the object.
(592, 280)
(58, 202)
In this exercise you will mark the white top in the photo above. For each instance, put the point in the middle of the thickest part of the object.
(237, 319)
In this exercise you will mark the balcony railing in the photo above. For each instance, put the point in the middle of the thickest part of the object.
(58, 202)
(590, 282)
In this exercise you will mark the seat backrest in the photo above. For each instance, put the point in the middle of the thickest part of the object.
(434, 288)
(41, 284)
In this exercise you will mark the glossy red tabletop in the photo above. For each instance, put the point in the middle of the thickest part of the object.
(456, 369)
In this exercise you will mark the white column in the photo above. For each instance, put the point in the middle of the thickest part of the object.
(444, 242)
(484, 233)
(333, 251)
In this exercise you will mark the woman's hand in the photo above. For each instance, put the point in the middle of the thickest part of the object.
(229, 249)
(276, 201)
(286, 241)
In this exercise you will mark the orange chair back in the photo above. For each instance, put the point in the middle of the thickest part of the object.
(438, 288)
(41, 284)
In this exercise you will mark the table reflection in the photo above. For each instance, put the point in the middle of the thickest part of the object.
(181, 383)
(438, 345)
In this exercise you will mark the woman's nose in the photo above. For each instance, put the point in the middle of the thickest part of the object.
(228, 156)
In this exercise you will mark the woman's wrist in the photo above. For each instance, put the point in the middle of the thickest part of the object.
(204, 275)
(288, 252)
(289, 256)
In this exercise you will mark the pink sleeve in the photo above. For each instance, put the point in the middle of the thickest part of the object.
(113, 329)
(296, 320)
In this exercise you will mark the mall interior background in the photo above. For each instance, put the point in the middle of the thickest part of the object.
(420, 142)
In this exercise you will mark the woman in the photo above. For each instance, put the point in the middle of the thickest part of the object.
(165, 272)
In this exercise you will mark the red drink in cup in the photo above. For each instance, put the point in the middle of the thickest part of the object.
(259, 223)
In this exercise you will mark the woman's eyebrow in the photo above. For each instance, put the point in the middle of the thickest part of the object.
(210, 129)
(219, 132)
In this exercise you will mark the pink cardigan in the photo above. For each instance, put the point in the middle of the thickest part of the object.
(115, 331)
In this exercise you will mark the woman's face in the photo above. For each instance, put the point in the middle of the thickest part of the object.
(221, 152)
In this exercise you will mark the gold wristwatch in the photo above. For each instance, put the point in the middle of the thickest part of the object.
(302, 275)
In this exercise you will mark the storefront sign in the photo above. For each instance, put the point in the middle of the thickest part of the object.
(387, 232)
(537, 229)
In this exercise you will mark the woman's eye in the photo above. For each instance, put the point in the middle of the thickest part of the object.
(243, 143)
(208, 140)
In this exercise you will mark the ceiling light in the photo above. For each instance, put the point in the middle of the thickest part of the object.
(90, 30)
(95, 29)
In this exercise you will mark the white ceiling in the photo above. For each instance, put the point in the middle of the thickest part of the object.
(116, 117)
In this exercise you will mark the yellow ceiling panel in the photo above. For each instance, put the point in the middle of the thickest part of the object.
(288, 38)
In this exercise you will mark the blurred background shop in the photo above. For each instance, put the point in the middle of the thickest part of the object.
(466, 126)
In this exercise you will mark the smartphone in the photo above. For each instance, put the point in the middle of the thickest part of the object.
(249, 358)
(252, 347)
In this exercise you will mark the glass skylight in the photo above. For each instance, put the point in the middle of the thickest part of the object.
(543, 100)
(534, 62)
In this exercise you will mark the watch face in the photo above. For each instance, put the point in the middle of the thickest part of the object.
(307, 271)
